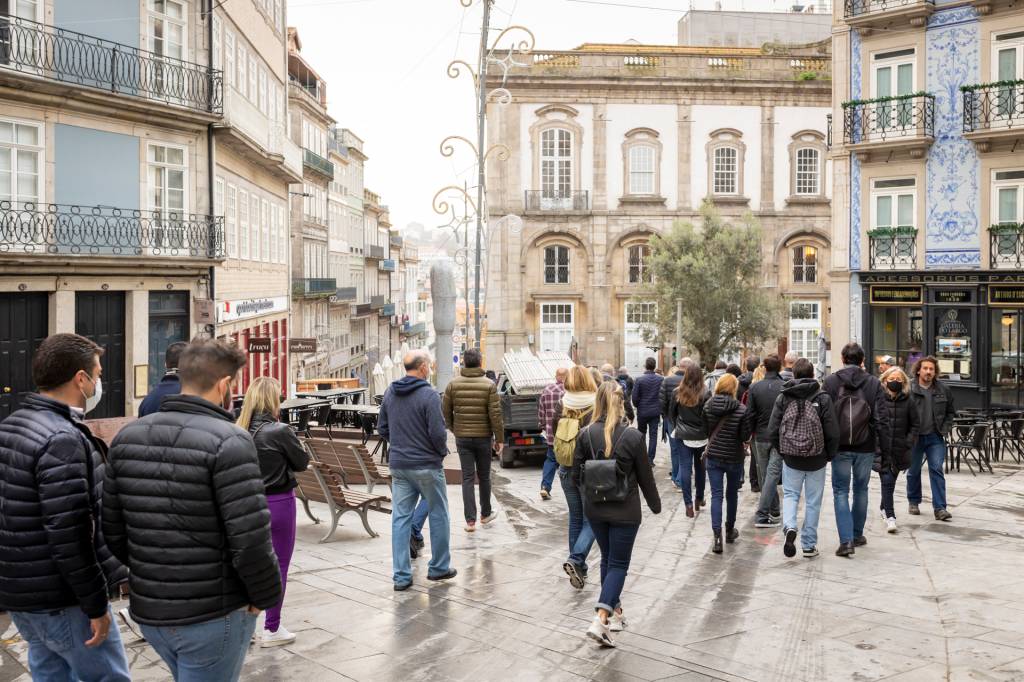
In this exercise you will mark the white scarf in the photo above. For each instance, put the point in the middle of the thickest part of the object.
(578, 401)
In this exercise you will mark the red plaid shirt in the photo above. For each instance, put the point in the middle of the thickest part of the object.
(546, 408)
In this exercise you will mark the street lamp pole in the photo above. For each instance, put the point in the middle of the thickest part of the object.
(481, 152)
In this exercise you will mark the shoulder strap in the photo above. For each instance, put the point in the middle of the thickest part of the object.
(718, 427)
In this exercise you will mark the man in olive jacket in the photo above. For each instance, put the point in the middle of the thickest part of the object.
(472, 411)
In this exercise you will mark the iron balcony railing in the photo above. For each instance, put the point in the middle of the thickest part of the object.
(1006, 247)
(377, 302)
(362, 309)
(415, 329)
(59, 229)
(388, 310)
(387, 265)
(314, 287)
(373, 251)
(859, 8)
(69, 57)
(542, 200)
(993, 106)
(344, 294)
(889, 118)
(893, 249)
(396, 240)
(314, 161)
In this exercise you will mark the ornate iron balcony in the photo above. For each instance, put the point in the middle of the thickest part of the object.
(540, 200)
(1006, 247)
(893, 248)
(69, 57)
(889, 119)
(344, 294)
(415, 329)
(373, 251)
(377, 302)
(859, 8)
(314, 287)
(993, 106)
(317, 163)
(64, 229)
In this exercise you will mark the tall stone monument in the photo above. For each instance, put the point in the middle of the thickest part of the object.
(443, 293)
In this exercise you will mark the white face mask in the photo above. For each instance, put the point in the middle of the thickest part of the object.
(92, 401)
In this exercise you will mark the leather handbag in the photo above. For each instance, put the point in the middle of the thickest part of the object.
(602, 481)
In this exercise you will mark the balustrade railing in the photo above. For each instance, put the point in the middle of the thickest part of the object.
(993, 106)
(889, 118)
(541, 200)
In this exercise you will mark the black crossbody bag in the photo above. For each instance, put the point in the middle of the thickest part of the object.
(602, 481)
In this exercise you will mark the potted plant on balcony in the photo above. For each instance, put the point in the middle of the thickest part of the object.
(1006, 228)
(893, 232)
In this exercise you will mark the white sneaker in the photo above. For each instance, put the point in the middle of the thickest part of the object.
(130, 624)
(598, 632)
(487, 519)
(885, 517)
(617, 622)
(890, 524)
(279, 638)
(470, 526)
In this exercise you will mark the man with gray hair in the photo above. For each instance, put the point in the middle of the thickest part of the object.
(609, 374)
(787, 365)
(412, 424)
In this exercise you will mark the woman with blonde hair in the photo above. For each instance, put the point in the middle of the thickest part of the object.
(575, 409)
(904, 421)
(728, 429)
(615, 519)
(280, 453)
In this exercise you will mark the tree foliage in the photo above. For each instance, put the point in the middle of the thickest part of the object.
(716, 269)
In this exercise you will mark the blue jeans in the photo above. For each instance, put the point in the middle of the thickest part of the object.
(407, 487)
(675, 448)
(726, 479)
(581, 536)
(769, 473)
(616, 543)
(213, 650)
(547, 477)
(933, 447)
(850, 521)
(690, 463)
(419, 517)
(649, 426)
(57, 652)
(813, 485)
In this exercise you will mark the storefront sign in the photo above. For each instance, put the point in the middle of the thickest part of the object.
(894, 294)
(301, 345)
(243, 309)
(259, 345)
(953, 295)
(1006, 296)
(952, 325)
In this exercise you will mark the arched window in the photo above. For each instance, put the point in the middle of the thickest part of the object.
(807, 167)
(639, 261)
(556, 163)
(556, 264)
(808, 171)
(805, 265)
(726, 171)
(641, 169)
(725, 153)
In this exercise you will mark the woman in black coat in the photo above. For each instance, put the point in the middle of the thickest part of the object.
(905, 422)
(728, 429)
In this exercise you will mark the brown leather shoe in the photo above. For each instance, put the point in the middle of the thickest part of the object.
(689, 511)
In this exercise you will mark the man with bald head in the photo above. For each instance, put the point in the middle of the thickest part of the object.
(549, 398)
(412, 424)
(787, 365)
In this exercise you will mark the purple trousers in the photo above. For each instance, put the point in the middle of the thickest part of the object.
(282, 536)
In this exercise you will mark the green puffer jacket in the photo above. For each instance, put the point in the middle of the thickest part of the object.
(471, 406)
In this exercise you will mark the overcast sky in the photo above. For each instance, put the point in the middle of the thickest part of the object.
(384, 62)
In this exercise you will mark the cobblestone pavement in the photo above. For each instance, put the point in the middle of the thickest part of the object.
(937, 601)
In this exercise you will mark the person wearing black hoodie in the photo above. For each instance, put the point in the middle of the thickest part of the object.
(803, 470)
(728, 429)
(746, 379)
(863, 413)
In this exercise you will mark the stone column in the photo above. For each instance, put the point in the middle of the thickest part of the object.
(684, 121)
(600, 197)
(136, 328)
(62, 311)
(767, 158)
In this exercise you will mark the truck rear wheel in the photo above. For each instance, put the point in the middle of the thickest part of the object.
(508, 458)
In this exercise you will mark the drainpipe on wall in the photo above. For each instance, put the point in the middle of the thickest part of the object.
(209, 156)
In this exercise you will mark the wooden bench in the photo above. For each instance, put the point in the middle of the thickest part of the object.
(353, 459)
(375, 473)
(342, 499)
(309, 490)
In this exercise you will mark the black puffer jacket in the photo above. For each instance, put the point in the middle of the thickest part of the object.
(280, 453)
(184, 508)
(52, 554)
(727, 444)
(904, 423)
(760, 403)
(688, 422)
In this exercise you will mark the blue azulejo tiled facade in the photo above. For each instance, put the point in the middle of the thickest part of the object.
(932, 145)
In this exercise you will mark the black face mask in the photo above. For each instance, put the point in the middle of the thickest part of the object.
(895, 386)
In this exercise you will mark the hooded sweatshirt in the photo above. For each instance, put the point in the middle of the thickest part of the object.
(871, 391)
(412, 423)
(805, 389)
(727, 444)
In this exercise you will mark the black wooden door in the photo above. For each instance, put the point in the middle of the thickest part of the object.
(23, 323)
(99, 315)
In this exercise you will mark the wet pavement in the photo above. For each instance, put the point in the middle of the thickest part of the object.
(936, 601)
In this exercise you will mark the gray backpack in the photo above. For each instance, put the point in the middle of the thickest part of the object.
(800, 434)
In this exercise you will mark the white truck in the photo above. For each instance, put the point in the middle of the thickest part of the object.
(524, 374)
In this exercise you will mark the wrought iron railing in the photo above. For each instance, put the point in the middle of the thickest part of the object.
(362, 309)
(344, 294)
(541, 200)
(378, 302)
(59, 229)
(857, 8)
(314, 161)
(387, 265)
(373, 251)
(69, 57)
(1006, 247)
(415, 329)
(396, 240)
(893, 249)
(993, 106)
(889, 118)
(314, 287)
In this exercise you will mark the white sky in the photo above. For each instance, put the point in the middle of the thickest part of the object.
(384, 62)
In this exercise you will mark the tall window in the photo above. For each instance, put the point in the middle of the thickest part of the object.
(254, 221)
(168, 323)
(556, 326)
(804, 328)
(808, 171)
(1008, 65)
(167, 172)
(641, 169)
(805, 265)
(639, 256)
(556, 163)
(254, 75)
(229, 57)
(241, 73)
(243, 224)
(231, 220)
(893, 203)
(893, 76)
(556, 265)
(21, 162)
(1007, 209)
(726, 171)
(265, 229)
(168, 28)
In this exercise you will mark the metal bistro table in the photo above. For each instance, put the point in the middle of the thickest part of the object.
(297, 404)
(331, 394)
(355, 395)
(348, 415)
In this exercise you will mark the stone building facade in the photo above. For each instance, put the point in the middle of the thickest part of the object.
(610, 145)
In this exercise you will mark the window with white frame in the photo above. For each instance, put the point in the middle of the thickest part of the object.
(1008, 66)
(231, 220)
(229, 57)
(218, 47)
(254, 76)
(808, 171)
(556, 163)
(282, 220)
(1007, 209)
(265, 229)
(556, 264)
(255, 224)
(263, 106)
(241, 72)
(218, 198)
(726, 171)
(893, 75)
(892, 203)
(243, 224)
(640, 318)
(805, 328)
(638, 261)
(641, 169)
(167, 171)
(21, 162)
(805, 264)
(168, 31)
(556, 327)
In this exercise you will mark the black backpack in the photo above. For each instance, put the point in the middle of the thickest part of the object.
(602, 481)
(854, 415)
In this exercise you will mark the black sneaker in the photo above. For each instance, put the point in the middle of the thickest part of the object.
(943, 515)
(913, 509)
(860, 541)
(810, 552)
(845, 549)
(402, 587)
(577, 578)
(417, 542)
(789, 549)
(731, 534)
(444, 576)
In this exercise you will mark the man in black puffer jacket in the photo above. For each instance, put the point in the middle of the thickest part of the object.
(184, 508)
(760, 403)
(55, 568)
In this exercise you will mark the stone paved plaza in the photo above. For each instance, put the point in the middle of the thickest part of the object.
(937, 601)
